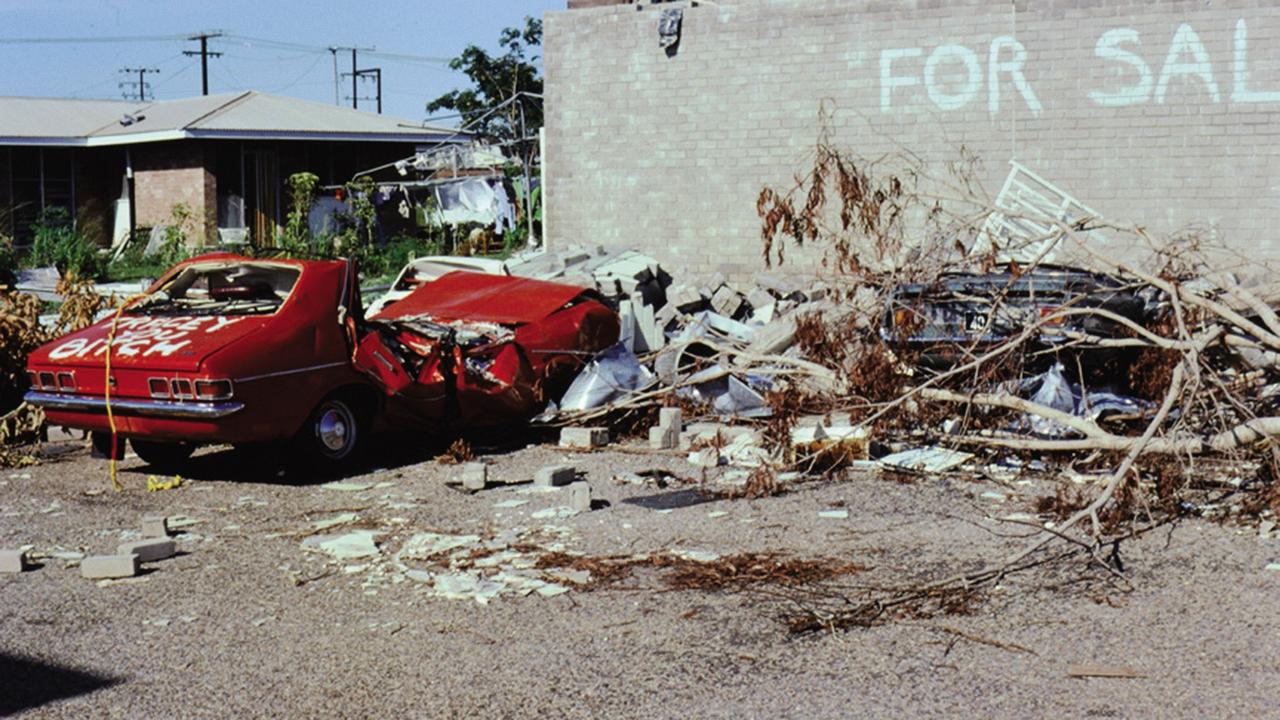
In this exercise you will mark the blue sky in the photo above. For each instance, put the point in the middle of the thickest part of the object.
(275, 46)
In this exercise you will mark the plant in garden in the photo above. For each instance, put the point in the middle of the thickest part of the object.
(297, 239)
(56, 242)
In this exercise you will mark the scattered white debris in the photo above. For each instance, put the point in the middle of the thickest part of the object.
(345, 486)
(507, 504)
(927, 459)
(554, 512)
(355, 544)
(696, 555)
(334, 521)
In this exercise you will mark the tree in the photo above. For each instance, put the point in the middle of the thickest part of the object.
(499, 79)
(504, 103)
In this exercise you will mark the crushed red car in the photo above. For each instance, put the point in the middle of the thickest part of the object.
(229, 349)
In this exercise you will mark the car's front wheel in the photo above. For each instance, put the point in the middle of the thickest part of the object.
(163, 455)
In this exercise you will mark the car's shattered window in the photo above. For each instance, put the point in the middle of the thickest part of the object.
(221, 289)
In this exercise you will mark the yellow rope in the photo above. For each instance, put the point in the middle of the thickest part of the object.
(111, 419)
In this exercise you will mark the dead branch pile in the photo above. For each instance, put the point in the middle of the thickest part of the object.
(727, 573)
(1199, 369)
(21, 332)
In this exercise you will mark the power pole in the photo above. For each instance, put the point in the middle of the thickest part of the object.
(333, 50)
(355, 74)
(377, 74)
(140, 84)
(204, 54)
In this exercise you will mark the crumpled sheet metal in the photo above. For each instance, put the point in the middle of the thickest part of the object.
(1055, 391)
(727, 394)
(610, 376)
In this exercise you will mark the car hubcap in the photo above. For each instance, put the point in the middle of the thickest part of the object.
(333, 429)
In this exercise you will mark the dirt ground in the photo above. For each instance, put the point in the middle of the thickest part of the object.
(246, 622)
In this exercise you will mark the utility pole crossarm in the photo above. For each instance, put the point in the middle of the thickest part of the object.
(140, 83)
(204, 54)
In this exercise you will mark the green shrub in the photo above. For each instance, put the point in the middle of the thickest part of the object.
(56, 242)
(387, 260)
(8, 262)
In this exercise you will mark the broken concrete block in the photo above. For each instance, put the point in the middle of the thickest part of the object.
(97, 567)
(817, 291)
(774, 337)
(155, 526)
(726, 301)
(584, 437)
(555, 476)
(648, 333)
(782, 286)
(759, 298)
(13, 561)
(664, 437)
(765, 313)
(149, 549)
(684, 298)
(671, 417)
(475, 475)
(580, 496)
(666, 316)
(627, 325)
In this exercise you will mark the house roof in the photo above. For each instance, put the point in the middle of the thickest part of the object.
(246, 115)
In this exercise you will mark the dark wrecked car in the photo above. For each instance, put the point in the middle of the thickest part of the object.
(960, 314)
(228, 349)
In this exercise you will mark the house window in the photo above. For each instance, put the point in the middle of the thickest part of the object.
(39, 178)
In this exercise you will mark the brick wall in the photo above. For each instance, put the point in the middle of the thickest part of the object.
(169, 173)
(1160, 113)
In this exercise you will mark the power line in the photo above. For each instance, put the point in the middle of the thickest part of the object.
(247, 40)
(284, 45)
(82, 40)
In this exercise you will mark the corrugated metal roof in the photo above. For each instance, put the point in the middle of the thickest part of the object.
(169, 115)
(55, 121)
(28, 117)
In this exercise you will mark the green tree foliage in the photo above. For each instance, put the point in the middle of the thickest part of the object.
(496, 79)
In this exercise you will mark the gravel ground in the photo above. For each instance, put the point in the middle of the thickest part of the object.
(245, 622)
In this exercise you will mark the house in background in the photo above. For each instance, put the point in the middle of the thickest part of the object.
(118, 166)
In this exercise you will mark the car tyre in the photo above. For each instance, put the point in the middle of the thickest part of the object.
(333, 436)
(163, 455)
(100, 443)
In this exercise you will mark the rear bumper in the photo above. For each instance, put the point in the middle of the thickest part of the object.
(132, 406)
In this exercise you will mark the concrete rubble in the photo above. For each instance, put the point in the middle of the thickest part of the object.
(554, 476)
(475, 476)
(14, 561)
(108, 567)
(149, 549)
(584, 437)
(704, 338)
(155, 526)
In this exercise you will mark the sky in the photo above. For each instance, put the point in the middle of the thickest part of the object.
(273, 46)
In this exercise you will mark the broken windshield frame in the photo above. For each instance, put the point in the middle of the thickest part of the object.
(221, 289)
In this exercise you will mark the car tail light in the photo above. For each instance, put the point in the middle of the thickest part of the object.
(213, 389)
(47, 381)
(181, 388)
(1045, 312)
(158, 387)
(66, 382)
